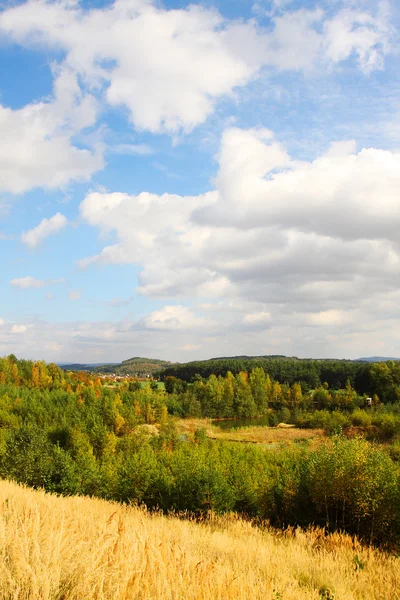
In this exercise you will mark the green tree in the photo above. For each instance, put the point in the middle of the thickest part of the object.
(244, 404)
(258, 384)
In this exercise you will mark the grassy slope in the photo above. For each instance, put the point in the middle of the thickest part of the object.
(80, 548)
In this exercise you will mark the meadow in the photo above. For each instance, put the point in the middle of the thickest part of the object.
(56, 548)
(229, 431)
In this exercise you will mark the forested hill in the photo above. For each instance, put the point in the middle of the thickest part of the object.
(135, 366)
(313, 372)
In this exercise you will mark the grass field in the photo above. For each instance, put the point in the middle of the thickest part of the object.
(56, 548)
(251, 434)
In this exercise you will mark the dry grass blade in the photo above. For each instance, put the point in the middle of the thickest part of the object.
(79, 548)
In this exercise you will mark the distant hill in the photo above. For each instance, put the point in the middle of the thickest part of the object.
(372, 359)
(247, 356)
(136, 366)
(81, 366)
(280, 367)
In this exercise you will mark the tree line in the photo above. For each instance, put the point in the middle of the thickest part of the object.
(310, 373)
(71, 433)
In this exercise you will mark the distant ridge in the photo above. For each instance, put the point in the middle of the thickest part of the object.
(136, 366)
(372, 359)
(247, 356)
(82, 366)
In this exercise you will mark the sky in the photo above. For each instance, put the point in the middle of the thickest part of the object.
(189, 180)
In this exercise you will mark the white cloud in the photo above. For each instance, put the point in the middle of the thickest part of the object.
(261, 187)
(75, 295)
(19, 328)
(286, 244)
(281, 3)
(184, 63)
(46, 227)
(329, 317)
(191, 347)
(114, 341)
(295, 249)
(27, 282)
(36, 148)
(257, 318)
(131, 149)
(269, 218)
(119, 302)
(32, 282)
(169, 67)
(355, 32)
(161, 229)
(173, 317)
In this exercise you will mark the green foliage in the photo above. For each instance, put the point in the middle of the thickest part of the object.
(359, 565)
(169, 383)
(326, 594)
(353, 486)
(311, 373)
(70, 434)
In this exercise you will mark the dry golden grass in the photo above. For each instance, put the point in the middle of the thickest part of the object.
(251, 434)
(83, 549)
(267, 435)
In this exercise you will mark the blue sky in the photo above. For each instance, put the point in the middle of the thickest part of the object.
(191, 180)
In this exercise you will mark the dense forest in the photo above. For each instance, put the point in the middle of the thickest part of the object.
(72, 433)
(381, 378)
(310, 372)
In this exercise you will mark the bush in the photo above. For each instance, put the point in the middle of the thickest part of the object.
(388, 425)
(353, 486)
(361, 418)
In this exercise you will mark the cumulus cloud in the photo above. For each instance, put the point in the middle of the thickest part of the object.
(169, 67)
(352, 32)
(285, 243)
(335, 195)
(36, 147)
(300, 253)
(34, 237)
(112, 341)
(161, 228)
(32, 282)
(19, 328)
(173, 317)
(82, 342)
(329, 317)
(27, 282)
(269, 215)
